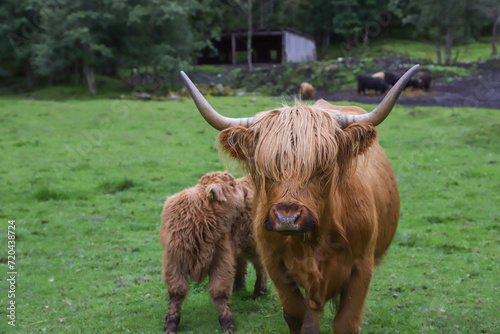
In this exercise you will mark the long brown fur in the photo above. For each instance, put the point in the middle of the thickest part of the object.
(205, 230)
(299, 154)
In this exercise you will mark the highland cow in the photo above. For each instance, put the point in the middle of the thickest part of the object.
(206, 230)
(326, 204)
(306, 91)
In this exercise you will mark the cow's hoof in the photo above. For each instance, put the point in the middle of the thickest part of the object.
(227, 324)
(310, 329)
(237, 286)
(170, 328)
(258, 293)
(228, 328)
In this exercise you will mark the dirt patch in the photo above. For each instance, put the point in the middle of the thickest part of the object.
(478, 91)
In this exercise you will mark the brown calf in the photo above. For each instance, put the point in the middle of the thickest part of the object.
(204, 229)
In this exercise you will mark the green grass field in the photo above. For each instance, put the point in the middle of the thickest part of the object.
(419, 49)
(85, 182)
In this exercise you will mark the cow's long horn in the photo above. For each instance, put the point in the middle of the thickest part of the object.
(211, 116)
(378, 114)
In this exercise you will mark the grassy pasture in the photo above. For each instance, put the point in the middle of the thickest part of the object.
(479, 50)
(85, 181)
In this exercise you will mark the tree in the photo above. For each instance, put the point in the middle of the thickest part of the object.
(72, 35)
(18, 29)
(354, 21)
(435, 20)
(445, 22)
(314, 17)
(358, 21)
(165, 36)
(239, 15)
(491, 11)
(249, 36)
(61, 38)
(495, 33)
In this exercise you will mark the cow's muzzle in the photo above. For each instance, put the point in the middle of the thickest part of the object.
(290, 219)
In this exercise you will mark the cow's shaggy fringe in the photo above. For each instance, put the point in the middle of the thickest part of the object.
(300, 144)
(309, 134)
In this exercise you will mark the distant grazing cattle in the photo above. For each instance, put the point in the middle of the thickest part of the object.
(368, 82)
(414, 82)
(424, 80)
(391, 78)
(204, 229)
(380, 75)
(306, 91)
(326, 202)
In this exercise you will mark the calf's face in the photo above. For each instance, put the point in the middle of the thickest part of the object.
(223, 193)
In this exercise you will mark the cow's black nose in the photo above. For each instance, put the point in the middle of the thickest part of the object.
(287, 216)
(286, 219)
(290, 219)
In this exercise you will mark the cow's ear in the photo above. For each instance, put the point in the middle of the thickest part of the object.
(236, 141)
(215, 193)
(359, 137)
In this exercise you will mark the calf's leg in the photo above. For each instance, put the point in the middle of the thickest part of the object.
(177, 287)
(241, 271)
(173, 315)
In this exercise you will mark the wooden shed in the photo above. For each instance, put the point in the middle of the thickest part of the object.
(271, 46)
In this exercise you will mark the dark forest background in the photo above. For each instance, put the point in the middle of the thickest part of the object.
(58, 41)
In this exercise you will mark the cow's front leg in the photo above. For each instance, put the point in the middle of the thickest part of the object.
(294, 304)
(352, 299)
(311, 322)
(219, 286)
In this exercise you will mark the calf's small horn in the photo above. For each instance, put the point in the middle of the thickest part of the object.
(213, 118)
(378, 114)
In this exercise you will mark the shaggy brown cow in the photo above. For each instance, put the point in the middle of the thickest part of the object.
(306, 91)
(204, 228)
(326, 205)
